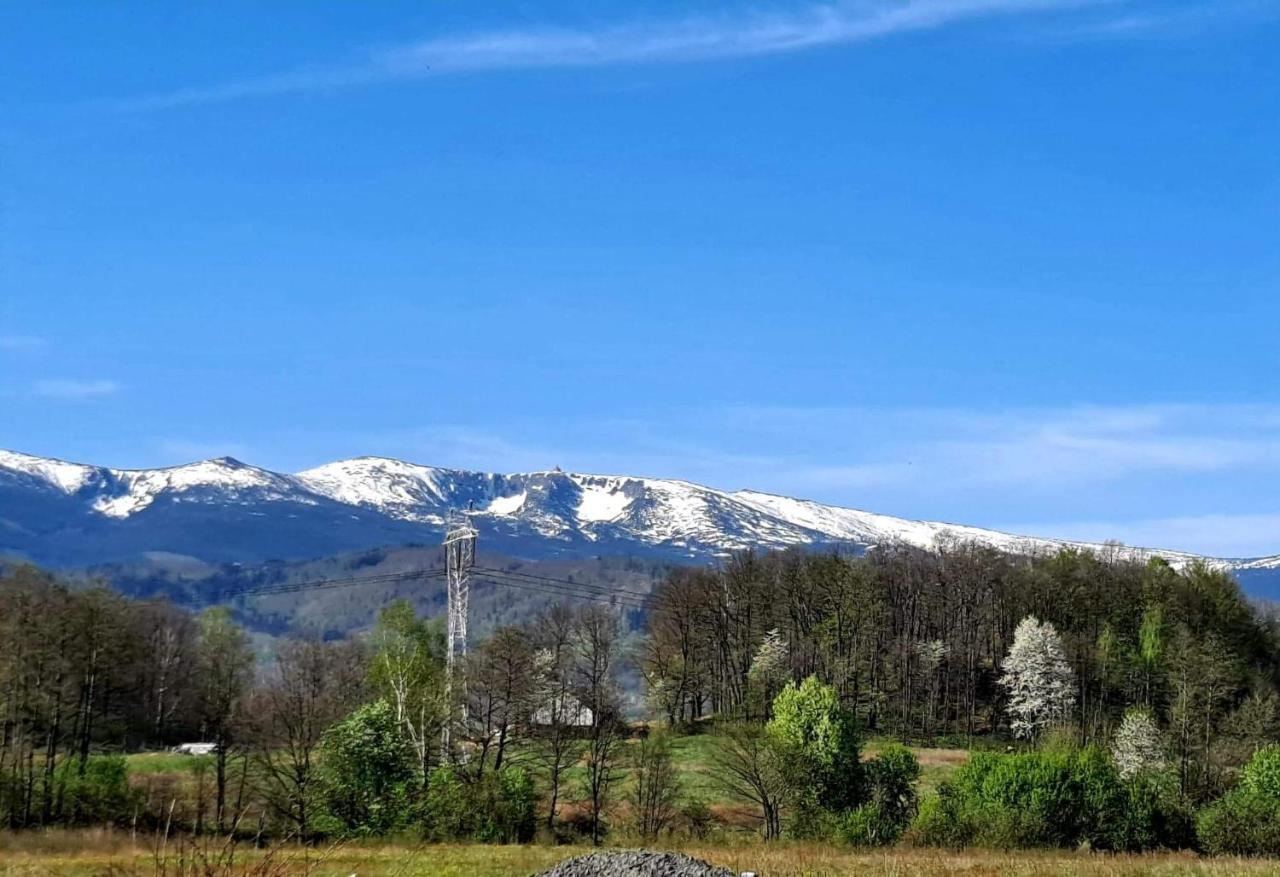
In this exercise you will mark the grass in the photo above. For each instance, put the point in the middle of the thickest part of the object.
(90, 854)
(143, 763)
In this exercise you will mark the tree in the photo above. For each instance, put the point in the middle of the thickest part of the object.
(502, 690)
(748, 766)
(407, 670)
(769, 671)
(655, 785)
(557, 711)
(367, 766)
(1040, 682)
(596, 689)
(313, 685)
(1136, 748)
(818, 738)
(225, 672)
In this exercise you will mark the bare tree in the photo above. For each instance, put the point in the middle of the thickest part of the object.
(655, 785)
(313, 685)
(556, 710)
(501, 687)
(748, 767)
(597, 691)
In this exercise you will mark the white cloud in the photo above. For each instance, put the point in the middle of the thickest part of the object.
(662, 41)
(75, 389)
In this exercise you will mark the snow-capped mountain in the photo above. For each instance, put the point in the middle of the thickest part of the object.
(67, 514)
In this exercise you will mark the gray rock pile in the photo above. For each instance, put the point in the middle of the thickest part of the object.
(635, 863)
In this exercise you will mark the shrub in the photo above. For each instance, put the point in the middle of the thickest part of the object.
(1262, 774)
(1240, 823)
(892, 776)
(98, 794)
(696, 819)
(496, 808)
(943, 821)
(1058, 799)
(1157, 816)
(1246, 820)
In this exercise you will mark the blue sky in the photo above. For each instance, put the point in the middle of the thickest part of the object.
(1005, 262)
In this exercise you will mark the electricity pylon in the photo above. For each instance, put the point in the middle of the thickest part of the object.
(459, 558)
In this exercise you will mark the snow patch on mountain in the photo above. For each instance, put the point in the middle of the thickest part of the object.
(602, 502)
(507, 505)
(542, 511)
(66, 477)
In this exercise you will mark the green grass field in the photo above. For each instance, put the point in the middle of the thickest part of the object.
(117, 853)
(89, 854)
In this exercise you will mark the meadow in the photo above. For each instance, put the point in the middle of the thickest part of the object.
(118, 854)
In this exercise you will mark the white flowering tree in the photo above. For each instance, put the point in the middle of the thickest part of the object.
(1040, 682)
(1136, 747)
(769, 670)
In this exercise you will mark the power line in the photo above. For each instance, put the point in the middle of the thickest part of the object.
(606, 589)
(525, 581)
(324, 584)
(562, 588)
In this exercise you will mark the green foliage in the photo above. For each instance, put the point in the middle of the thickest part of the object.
(1052, 799)
(499, 807)
(1261, 775)
(819, 742)
(366, 768)
(1240, 823)
(98, 794)
(891, 777)
(696, 819)
(944, 821)
(1246, 820)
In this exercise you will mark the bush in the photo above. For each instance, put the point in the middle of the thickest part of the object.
(1240, 823)
(892, 776)
(496, 808)
(1246, 820)
(696, 819)
(1053, 799)
(1262, 774)
(100, 794)
(943, 821)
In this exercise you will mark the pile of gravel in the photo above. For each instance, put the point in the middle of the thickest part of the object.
(635, 863)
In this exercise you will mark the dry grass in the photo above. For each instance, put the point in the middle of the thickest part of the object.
(88, 854)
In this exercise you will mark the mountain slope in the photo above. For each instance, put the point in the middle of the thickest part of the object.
(66, 514)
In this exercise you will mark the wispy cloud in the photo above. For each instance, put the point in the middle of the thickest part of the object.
(684, 40)
(1039, 448)
(21, 342)
(1225, 535)
(75, 389)
(1146, 21)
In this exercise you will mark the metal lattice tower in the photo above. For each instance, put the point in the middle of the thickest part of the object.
(459, 558)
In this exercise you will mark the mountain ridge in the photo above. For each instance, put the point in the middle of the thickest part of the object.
(213, 509)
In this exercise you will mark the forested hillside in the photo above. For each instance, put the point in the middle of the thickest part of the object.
(1122, 686)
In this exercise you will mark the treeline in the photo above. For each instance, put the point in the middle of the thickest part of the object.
(315, 738)
(913, 643)
(1123, 687)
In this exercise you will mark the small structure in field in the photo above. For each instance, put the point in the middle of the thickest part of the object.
(195, 748)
